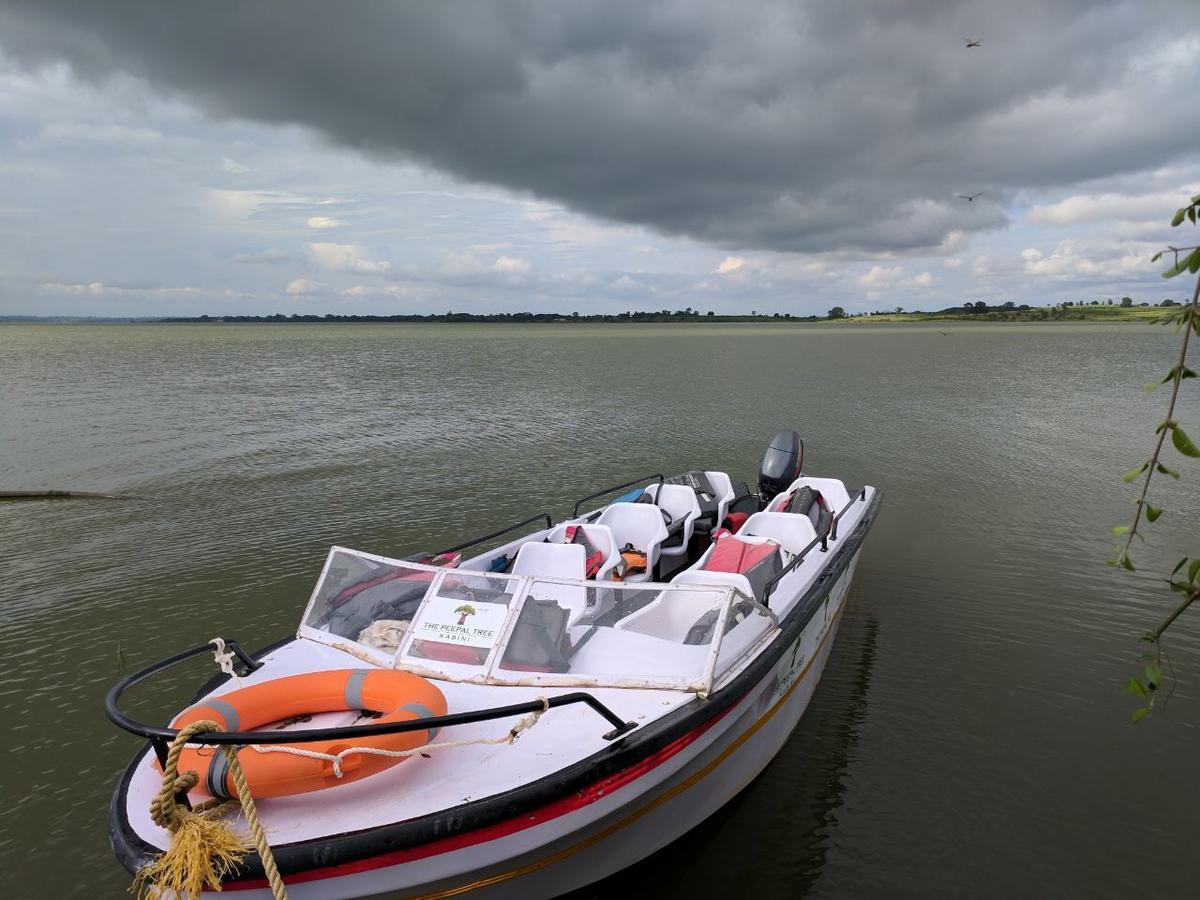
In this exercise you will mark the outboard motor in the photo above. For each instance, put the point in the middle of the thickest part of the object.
(781, 464)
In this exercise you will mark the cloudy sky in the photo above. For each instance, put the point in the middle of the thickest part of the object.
(226, 157)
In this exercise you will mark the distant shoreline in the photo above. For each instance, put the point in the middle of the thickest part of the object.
(992, 314)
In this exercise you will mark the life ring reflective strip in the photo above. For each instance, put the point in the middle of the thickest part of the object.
(400, 696)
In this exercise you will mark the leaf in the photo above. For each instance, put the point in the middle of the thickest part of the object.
(1127, 563)
(1193, 570)
(1178, 219)
(1193, 261)
(1157, 256)
(1179, 565)
(1186, 373)
(1134, 687)
(1135, 472)
(1139, 714)
(1153, 676)
(1181, 586)
(1183, 443)
(1191, 214)
(1163, 470)
(1152, 513)
(1119, 530)
(1175, 269)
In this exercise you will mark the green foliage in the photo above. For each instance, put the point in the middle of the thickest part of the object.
(1187, 318)
(1183, 443)
(837, 313)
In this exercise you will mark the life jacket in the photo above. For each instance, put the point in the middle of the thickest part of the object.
(594, 559)
(633, 562)
(735, 520)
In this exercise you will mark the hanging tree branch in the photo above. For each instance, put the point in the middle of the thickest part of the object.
(1182, 580)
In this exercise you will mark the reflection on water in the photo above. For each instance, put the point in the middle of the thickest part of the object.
(968, 736)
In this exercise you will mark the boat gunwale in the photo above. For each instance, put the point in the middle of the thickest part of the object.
(692, 719)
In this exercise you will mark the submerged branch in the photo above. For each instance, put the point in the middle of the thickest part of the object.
(61, 495)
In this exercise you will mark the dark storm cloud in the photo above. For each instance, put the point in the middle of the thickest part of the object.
(786, 126)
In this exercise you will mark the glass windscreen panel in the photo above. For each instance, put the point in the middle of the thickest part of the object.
(462, 620)
(613, 634)
(746, 623)
(368, 600)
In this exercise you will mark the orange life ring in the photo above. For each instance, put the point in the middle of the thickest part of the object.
(400, 696)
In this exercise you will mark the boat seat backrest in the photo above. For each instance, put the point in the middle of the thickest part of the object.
(680, 503)
(673, 614)
(791, 531)
(678, 500)
(639, 524)
(833, 490)
(598, 536)
(569, 561)
(723, 485)
(721, 579)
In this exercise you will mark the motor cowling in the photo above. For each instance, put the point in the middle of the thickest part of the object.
(781, 464)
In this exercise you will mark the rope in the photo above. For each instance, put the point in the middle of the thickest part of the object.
(224, 659)
(203, 849)
(522, 724)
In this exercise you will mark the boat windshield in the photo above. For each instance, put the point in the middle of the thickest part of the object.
(495, 628)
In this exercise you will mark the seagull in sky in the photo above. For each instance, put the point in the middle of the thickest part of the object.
(971, 42)
(970, 198)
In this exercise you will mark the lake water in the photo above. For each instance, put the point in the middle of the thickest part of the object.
(968, 738)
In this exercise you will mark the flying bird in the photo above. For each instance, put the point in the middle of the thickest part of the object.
(970, 198)
(971, 42)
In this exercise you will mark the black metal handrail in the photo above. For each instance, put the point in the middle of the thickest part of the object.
(861, 495)
(496, 534)
(822, 539)
(615, 487)
(160, 736)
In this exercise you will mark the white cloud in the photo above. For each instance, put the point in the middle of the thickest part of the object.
(731, 264)
(304, 287)
(953, 262)
(627, 283)
(232, 166)
(512, 265)
(880, 277)
(346, 258)
(1106, 208)
(1097, 260)
(367, 291)
(101, 289)
(323, 222)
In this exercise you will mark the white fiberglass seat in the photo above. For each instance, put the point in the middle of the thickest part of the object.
(599, 536)
(832, 489)
(639, 525)
(723, 486)
(568, 561)
(790, 531)
(680, 503)
(674, 613)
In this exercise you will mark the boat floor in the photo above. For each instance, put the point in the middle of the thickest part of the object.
(420, 785)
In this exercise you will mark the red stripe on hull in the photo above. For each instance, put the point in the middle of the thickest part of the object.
(556, 809)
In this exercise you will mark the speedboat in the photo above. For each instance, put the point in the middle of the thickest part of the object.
(525, 720)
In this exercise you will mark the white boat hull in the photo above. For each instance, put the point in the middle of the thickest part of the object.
(609, 830)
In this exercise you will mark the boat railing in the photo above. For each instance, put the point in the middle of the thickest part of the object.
(495, 534)
(161, 738)
(616, 487)
(821, 540)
